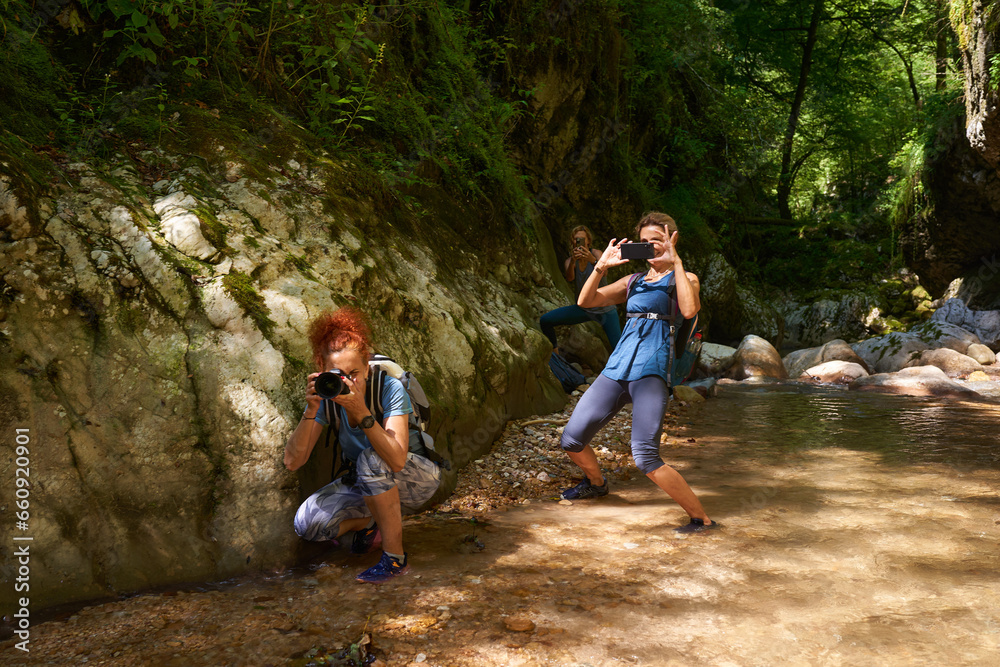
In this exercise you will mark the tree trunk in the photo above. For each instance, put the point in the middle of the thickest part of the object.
(941, 28)
(786, 177)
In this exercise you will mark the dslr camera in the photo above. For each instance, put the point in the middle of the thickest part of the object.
(331, 384)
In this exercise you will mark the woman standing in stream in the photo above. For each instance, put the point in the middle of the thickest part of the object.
(638, 371)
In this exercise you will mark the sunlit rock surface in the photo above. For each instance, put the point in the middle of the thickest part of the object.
(984, 323)
(835, 372)
(153, 341)
(836, 350)
(954, 364)
(755, 357)
(915, 381)
(889, 353)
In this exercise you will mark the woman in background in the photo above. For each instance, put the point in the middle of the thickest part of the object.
(577, 269)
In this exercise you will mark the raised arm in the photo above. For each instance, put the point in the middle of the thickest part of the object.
(303, 438)
(688, 287)
(593, 296)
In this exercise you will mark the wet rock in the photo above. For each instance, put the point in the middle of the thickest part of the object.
(953, 363)
(984, 323)
(519, 624)
(687, 394)
(715, 358)
(836, 372)
(916, 381)
(982, 354)
(707, 387)
(836, 350)
(755, 357)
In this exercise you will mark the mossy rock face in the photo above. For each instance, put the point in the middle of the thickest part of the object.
(162, 381)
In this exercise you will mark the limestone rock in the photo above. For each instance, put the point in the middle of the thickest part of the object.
(161, 393)
(982, 354)
(848, 315)
(181, 227)
(915, 381)
(953, 363)
(708, 387)
(836, 372)
(836, 350)
(890, 353)
(985, 324)
(730, 310)
(755, 357)
(714, 358)
(687, 394)
(13, 215)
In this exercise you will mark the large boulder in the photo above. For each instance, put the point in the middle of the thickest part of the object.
(916, 381)
(985, 324)
(714, 358)
(954, 364)
(755, 357)
(835, 372)
(890, 353)
(836, 350)
(982, 354)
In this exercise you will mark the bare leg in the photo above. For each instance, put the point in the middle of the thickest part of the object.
(389, 517)
(671, 481)
(587, 460)
(352, 524)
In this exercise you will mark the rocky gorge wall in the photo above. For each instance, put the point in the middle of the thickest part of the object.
(957, 235)
(153, 343)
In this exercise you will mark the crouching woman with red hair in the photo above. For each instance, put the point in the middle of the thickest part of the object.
(387, 478)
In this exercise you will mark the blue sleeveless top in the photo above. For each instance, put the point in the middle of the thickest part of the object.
(645, 345)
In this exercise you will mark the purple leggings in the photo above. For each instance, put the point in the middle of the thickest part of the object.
(648, 395)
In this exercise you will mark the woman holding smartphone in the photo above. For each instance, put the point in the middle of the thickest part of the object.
(638, 371)
(578, 268)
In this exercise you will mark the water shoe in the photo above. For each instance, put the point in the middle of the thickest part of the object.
(385, 569)
(585, 490)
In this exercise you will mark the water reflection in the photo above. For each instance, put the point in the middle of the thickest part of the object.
(777, 419)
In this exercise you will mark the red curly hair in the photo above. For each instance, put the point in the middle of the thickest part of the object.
(343, 329)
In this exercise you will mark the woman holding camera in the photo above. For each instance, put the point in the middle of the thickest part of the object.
(639, 368)
(579, 266)
(386, 477)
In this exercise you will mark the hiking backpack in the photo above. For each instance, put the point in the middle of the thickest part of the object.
(421, 442)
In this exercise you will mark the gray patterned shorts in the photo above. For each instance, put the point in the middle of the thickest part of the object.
(320, 516)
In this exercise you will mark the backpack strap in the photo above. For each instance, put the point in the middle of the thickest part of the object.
(341, 468)
(376, 382)
(631, 281)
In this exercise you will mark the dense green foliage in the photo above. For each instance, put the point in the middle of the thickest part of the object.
(783, 132)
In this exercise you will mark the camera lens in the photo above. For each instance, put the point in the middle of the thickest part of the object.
(331, 384)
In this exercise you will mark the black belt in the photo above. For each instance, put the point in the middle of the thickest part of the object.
(648, 316)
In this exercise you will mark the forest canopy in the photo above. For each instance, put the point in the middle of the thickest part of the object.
(787, 130)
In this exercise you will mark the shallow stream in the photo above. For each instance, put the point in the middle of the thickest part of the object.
(858, 529)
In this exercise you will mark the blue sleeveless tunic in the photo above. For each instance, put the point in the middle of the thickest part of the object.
(645, 345)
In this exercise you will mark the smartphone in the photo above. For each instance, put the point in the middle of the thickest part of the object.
(641, 250)
(577, 242)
